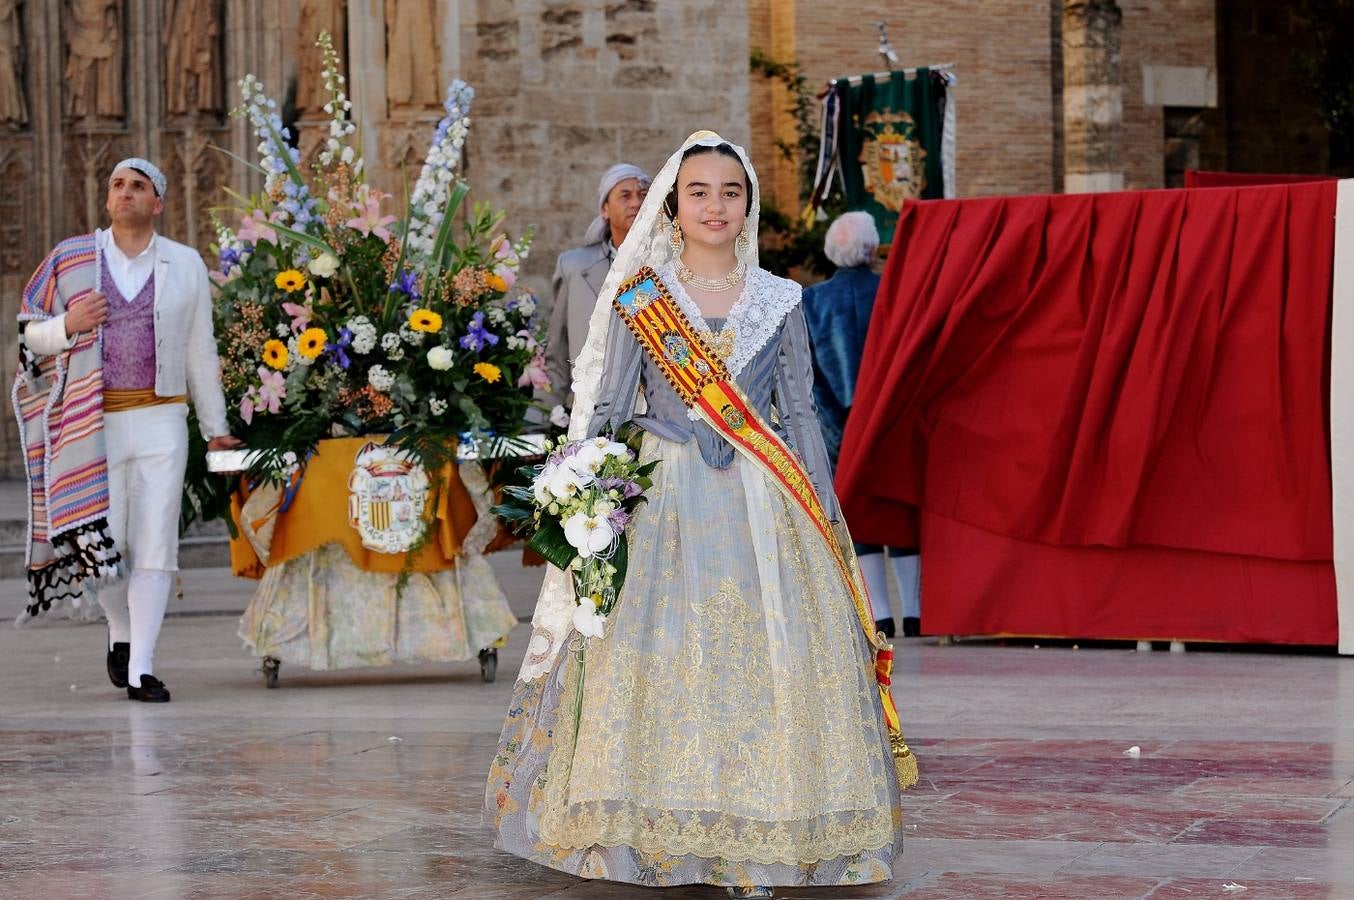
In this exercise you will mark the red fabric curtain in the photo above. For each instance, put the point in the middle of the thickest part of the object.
(1110, 411)
(1199, 178)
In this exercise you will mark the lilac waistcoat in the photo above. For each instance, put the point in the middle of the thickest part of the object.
(129, 336)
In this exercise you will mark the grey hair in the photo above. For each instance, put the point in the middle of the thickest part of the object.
(852, 240)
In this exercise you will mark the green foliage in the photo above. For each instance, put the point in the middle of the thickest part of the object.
(787, 243)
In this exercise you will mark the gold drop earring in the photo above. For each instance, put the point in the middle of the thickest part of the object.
(743, 244)
(675, 237)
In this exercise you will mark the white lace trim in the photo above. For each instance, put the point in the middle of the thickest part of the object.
(755, 316)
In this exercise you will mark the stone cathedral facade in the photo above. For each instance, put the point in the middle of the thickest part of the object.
(1052, 95)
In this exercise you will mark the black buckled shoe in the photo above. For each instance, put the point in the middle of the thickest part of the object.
(152, 690)
(117, 663)
(911, 626)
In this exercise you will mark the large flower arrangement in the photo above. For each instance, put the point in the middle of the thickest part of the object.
(336, 317)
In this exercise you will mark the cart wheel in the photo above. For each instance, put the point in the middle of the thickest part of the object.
(270, 667)
(488, 664)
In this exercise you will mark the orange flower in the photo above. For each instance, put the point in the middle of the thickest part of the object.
(311, 342)
(488, 371)
(425, 320)
(290, 280)
(496, 281)
(275, 354)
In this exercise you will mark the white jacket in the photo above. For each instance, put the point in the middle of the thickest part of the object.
(185, 349)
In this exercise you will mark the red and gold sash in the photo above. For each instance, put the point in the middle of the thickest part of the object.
(702, 381)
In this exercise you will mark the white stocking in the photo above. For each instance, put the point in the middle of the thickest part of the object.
(907, 572)
(876, 584)
(147, 599)
(113, 599)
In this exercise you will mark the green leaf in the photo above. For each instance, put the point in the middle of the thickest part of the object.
(458, 194)
(308, 239)
(550, 543)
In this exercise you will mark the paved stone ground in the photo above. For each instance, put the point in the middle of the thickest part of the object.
(368, 783)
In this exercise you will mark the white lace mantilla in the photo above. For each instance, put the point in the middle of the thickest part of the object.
(754, 318)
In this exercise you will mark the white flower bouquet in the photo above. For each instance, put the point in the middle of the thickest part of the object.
(574, 509)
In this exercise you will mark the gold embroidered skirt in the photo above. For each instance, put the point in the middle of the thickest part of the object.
(729, 730)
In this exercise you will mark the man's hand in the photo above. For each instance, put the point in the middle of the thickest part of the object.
(87, 313)
(225, 442)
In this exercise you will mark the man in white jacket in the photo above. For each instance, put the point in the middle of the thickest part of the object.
(146, 324)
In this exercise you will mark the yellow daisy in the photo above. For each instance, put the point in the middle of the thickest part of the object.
(488, 371)
(425, 320)
(290, 280)
(311, 342)
(275, 354)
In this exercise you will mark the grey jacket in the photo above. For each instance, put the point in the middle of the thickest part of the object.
(778, 383)
(579, 274)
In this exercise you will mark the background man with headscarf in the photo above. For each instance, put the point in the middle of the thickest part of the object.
(117, 335)
(579, 273)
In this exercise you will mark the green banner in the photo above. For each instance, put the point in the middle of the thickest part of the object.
(889, 146)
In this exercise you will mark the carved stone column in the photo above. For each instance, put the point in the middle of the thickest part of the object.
(1093, 105)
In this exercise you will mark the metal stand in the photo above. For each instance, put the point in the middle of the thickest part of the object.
(270, 667)
(489, 664)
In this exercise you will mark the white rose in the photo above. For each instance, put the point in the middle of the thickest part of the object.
(440, 358)
(324, 265)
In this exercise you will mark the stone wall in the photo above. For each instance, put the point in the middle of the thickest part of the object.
(567, 89)
(564, 90)
(1008, 55)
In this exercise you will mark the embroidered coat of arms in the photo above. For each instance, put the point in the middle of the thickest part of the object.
(387, 494)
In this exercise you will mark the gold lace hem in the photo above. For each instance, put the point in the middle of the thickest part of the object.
(794, 843)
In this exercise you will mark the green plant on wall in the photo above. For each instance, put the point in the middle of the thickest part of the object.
(787, 244)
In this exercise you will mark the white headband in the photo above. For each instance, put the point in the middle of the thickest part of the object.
(613, 176)
(147, 168)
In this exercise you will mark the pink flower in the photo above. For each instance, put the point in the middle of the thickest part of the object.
(254, 228)
(534, 374)
(267, 396)
(502, 250)
(369, 220)
(300, 315)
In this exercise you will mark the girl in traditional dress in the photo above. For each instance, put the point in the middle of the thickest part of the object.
(728, 730)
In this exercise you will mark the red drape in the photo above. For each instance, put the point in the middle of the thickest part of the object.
(1110, 410)
(1199, 178)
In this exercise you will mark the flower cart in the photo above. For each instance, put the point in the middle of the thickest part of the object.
(364, 357)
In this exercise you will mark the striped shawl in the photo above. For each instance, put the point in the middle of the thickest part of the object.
(59, 402)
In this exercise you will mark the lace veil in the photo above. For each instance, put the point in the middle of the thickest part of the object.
(647, 244)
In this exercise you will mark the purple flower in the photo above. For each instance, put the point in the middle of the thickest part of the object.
(618, 519)
(477, 337)
(407, 284)
(230, 257)
(627, 487)
(336, 351)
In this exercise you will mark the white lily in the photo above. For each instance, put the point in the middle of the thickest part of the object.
(587, 534)
(587, 620)
(566, 481)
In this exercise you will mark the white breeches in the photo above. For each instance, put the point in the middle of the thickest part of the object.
(147, 452)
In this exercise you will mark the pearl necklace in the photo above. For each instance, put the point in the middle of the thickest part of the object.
(713, 285)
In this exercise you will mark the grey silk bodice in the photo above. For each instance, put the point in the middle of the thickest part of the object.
(777, 381)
